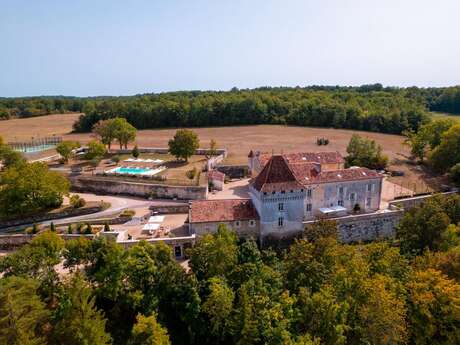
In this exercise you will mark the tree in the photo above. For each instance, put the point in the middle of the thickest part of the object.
(427, 137)
(422, 227)
(184, 144)
(218, 306)
(105, 131)
(22, 314)
(135, 152)
(366, 153)
(8, 156)
(123, 131)
(31, 187)
(66, 149)
(212, 151)
(434, 304)
(322, 228)
(454, 174)
(447, 153)
(78, 320)
(52, 227)
(96, 150)
(147, 331)
(215, 254)
(106, 227)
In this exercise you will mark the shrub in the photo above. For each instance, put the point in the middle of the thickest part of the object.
(106, 227)
(135, 152)
(69, 229)
(52, 227)
(127, 213)
(454, 174)
(115, 159)
(356, 208)
(191, 173)
(79, 228)
(322, 141)
(76, 201)
(95, 150)
(35, 228)
(88, 229)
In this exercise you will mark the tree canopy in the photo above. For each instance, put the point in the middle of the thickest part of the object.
(30, 187)
(184, 144)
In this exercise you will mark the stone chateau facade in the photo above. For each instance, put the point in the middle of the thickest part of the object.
(288, 190)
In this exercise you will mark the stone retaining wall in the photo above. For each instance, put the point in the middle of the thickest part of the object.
(19, 240)
(49, 216)
(234, 171)
(165, 150)
(145, 190)
(166, 209)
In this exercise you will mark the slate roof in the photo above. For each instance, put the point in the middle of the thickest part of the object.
(226, 210)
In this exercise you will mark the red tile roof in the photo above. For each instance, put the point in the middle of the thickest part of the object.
(332, 157)
(278, 175)
(315, 157)
(275, 176)
(216, 175)
(222, 210)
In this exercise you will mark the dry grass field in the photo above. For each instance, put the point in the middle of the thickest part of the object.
(239, 140)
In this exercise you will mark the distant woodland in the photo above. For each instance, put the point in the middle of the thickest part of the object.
(368, 107)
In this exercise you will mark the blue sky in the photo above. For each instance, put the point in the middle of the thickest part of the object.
(111, 47)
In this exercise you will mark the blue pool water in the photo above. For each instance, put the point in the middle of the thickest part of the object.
(122, 170)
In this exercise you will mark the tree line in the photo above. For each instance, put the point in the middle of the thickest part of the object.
(317, 291)
(368, 107)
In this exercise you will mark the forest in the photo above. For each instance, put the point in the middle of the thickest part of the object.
(314, 291)
(368, 107)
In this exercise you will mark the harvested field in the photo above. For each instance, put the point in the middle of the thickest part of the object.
(240, 139)
(40, 126)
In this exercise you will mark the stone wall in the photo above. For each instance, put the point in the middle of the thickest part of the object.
(89, 184)
(18, 240)
(244, 228)
(234, 171)
(167, 209)
(165, 150)
(70, 212)
(408, 203)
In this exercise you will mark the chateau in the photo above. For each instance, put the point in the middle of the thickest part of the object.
(289, 189)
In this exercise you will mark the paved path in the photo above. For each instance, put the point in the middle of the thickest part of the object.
(117, 204)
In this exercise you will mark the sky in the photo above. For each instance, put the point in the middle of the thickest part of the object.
(112, 47)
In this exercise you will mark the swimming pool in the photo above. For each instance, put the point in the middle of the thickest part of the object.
(134, 171)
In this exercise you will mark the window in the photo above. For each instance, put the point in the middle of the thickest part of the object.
(280, 221)
(237, 223)
(265, 193)
(368, 202)
(309, 193)
(178, 251)
(292, 191)
(273, 192)
(301, 190)
(369, 187)
(280, 206)
(308, 207)
(352, 196)
(341, 190)
(283, 191)
(340, 202)
(252, 223)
